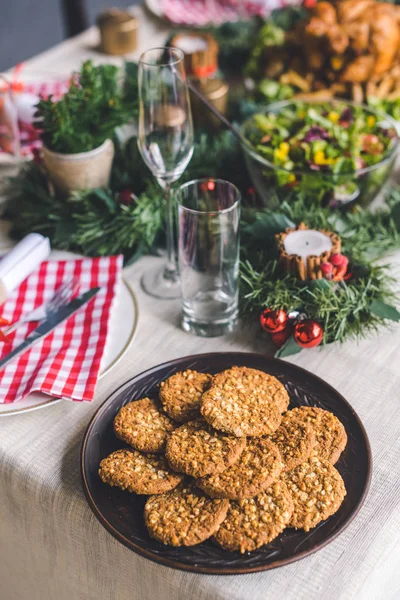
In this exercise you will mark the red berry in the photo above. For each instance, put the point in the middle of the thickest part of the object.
(126, 196)
(339, 260)
(327, 270)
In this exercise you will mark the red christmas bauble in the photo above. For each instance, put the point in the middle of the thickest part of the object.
(281, 337)
(308, 333)
(273, 321)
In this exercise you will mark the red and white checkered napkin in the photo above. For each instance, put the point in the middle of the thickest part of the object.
(67, 362)
(202, 12)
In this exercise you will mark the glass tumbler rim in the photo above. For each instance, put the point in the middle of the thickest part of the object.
(222, 211)
(177, 51)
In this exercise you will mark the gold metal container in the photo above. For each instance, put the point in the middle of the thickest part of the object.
(118, 31)
(216, 91)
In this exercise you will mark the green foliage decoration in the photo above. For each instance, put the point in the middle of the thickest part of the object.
(87, 114)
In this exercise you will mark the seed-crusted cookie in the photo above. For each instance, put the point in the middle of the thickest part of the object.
(180, 394)
(253, 381)
(238, 403)
(259, 465)
(140, 473)
(183, 517)
(253, 522)
(294, 439)
(143, 426)
(197, 450)
(317, 490)
(330, 435)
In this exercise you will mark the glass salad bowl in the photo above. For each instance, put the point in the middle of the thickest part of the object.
(339, 152)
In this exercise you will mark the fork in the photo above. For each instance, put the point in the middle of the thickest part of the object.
(60, 297)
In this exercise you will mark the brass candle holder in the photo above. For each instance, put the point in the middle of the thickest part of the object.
(118, 32)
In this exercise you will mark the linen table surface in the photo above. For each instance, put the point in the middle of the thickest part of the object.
(51, 545)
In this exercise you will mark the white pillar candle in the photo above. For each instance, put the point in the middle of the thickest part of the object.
(190, 44)
(307, 242)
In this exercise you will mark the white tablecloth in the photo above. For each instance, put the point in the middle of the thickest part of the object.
(51, 545)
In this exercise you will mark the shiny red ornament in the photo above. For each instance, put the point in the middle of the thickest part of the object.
(273, 321)
(308, 333)
(281, 337)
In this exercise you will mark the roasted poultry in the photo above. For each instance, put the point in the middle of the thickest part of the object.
(345, 47)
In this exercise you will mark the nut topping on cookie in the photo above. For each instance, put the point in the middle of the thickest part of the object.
(259, 465)
(238, 402)
(197, 450)
(183, 517)
(295, 441)
(136, 472)
(317, 490)
(330, 435)
(180, 394)
(143, 426)
(253, 522)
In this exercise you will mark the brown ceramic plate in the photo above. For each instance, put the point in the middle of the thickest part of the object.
(121, 513)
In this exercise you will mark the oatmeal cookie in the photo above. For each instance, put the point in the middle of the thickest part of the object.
(259, 465)
(180, 394)
(140, 473)
(317, 490)
(238, 403)
(295, 441)
(143, 426)
(253, 381)
(197, 450)
(183, 517)
(253, 522)
(330, 435)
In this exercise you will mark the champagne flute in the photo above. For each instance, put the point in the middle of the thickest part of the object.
(166, 144)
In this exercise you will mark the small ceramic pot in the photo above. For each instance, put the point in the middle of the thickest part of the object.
(83, 171)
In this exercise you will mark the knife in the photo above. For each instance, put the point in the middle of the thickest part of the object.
(52, 320)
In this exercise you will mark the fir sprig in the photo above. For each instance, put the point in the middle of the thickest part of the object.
(93, 222)
(344, 309)
(87, 114)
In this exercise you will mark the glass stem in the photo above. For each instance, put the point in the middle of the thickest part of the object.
(171, 268)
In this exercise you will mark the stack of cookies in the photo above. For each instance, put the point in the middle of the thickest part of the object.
(223, 456)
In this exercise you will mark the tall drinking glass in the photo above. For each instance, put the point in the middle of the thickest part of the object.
(165, 142)
(208, 216)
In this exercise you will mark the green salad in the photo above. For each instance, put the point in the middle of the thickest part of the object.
(321, 145)
(339, 138)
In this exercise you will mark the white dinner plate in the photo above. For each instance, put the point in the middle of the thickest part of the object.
(122, 330)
